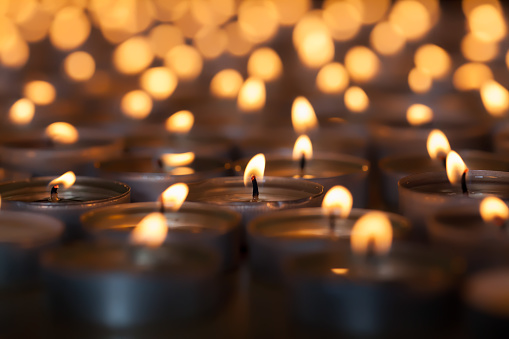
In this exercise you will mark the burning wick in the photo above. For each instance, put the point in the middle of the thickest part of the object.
(256, 193)
(302, 163)
(464, 182)
(54, 193)
(443, 159)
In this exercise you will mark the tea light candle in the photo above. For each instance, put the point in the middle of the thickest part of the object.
(148, 177)
(22, 237)
(373, 289)
(33, 195)
(193, 224)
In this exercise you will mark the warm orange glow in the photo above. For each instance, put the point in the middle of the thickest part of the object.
(468, 5)
(507, 59)
(332, 78)
(313, 41)
(374, 10)
(495, 98)
(40, 92)
(338, 201)
(185, 61)
(265, 64)
(487, 23)
(136, 104)
(455, 167)
(163, 38)
(471, 76)
(238, 45)
(356, 99)
(343, 19)
(362, 64)
(258, 20)
(211, 42)
(62, 133)
(419, 114)
(174, 196)
(303, 146)
(419, 80)
(177, 159)
(251, 95)
(255, 167)
(303, 116)
(386, 40)
(133, 55)
(410, 18)
(493, 209)
(180, 122)
(67, 180)
(70, 28)
(79, 66)
(478, 50)
(14, 51)
(372, 232)
(159, 82)
(339, 271)
(22, 112)
(34, 25)
(212, 12)
(226, 84)
(290, 11)
(437, 144)
(434, 60)
(151, 231)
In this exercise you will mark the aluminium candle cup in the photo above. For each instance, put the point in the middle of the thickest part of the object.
(423, 194)
(411, 290)
(275, 194)
(121, 286)
(395, 167)
(148, 180)
(36, 155)
(193, 224)
(32, 195)
(461, 229)
(485, 300)
(324, 168)
(22, 237)
(275, 237)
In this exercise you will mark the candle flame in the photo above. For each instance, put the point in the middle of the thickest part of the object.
(22, 112)
(40, 92)
(226, 84)
(175, 195)
(495, 98)
(437, 144)
(356, 100)
(493, 209)
(255, 167)
(371, 230)
(177, 159)
(251, 96)
(303, 116)
(62, 133)
(303, 146)
(180, 122)
(67, 179)
(150, 231)
(419, 114)
(339, 271)
(338, 201)
(455, 167)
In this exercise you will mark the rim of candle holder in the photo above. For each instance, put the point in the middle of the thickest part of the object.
(8, 188)
(51, 224)
(89, 219)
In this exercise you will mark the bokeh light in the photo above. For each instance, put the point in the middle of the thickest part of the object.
(265, 64)
(159, 82)
(471, 76)
(356, 100)
(40, 92)
(226, 84)
(22, 112)
(79, 66)
(362, 63)
(136, 104)
(133, 55)
(332, 78)
(185, 61)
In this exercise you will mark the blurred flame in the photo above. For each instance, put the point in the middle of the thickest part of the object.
(238, 45)
(180, 122)
(255, 167)
(303, 116)
(313, 41)
(70, 28)
(251, 95)
(437, 144)
(419, 80)
(493, 209)
(338, 201)
(362, 63)
(495, 98)
(455, 167)
(133, 55)
(356, 100)
(22, 112)
(62, 133)
(339, 271)
(332, 78)
(226, 84)
(374, 10)
(434, 60)
(304, 147)
(343, 19)
(386, 40)
(471, 76)
(478, 50)
(159, 82)
(174, 196)
(177, 159)
(258, 20)
(410, 18)
(136, 104)
(67, 179)
(163, 38)
(151, 231)
(487, 23)
(40, 92)
(211, 41)
(290, 11)
(372, 229)
(265, 64)
(79, 66)
(419, 114)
